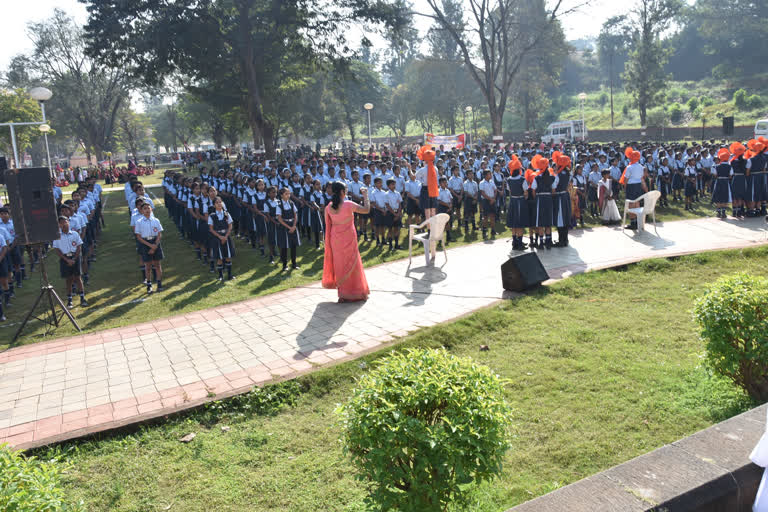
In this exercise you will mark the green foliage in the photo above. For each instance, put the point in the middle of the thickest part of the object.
(423, 424)
(658, 117)
(693, 104)
(29, 485)
(625, 109)
(602, 100)
(706, 101)
(754, 102)
(733, 316)
(259, 401)
(675, 112)
(17, 106)
(740, 99)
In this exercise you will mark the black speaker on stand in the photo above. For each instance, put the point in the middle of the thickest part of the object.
(523, 272)
(33, 209)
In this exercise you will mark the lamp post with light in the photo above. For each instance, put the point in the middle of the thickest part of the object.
(41, 95)
(368, 107)
(468, 110)
(582, 99)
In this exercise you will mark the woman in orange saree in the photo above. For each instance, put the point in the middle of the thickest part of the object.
(342, 266)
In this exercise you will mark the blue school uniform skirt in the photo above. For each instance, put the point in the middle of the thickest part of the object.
(286, 240)
(721, 191)
(271, 233)
(562, 209)
(634, 190)
(316, 221)
(222, 251)
(544, 210)
(758, 191)
(517, 212)
(662, 186)
(739, 187)
(425, 201)
(690, 188)
(677, 181)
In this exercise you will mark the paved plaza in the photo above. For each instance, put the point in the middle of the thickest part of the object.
(70, 387)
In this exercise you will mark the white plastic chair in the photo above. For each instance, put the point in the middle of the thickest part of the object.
(436, 234)
(649, 208)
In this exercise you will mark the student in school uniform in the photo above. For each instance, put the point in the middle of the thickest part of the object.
(470, 193)
(394, 200)
(287, 231)
(678, 180)
(663, 181)
(195, 213)
(456, 187)
(379, 206)
(721, 190)
(488, 193)
(545, 186)
(365, 218)
(739, 183)
(445, 203)
(220, 227)
(257, 211)
(317, 212)
(634, 180)
(271, 207)
(690, 183)
(149, 232)
(593, 180)
(562, 199)
(68, 248)
(412, 191)
(579, 183)
(517, 209)
(757, 165)
(15, 256)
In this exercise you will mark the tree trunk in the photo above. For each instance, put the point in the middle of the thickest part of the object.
(643, 113)
(497, 116)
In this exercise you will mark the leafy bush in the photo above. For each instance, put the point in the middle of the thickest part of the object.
(733, 316)
(657, 117)
(625, 109)
(602, 99)
(422, 424)
(29, 485)
(693, 104)
(754, 102)
(740, 99)
(262, 401)
(706, 101)
(675, 112)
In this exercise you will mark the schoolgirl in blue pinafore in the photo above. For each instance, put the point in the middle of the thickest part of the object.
(249, 218)
(721, 190)
(271, 207)
(739, 185)
(297, 196)
(678, 181)
(498, 180)
(287, 213)
(306, 195)
(757, 169)
(663, 179)
(517, 211)
(562, 207)
(545, 182)
(219, 222)
(316, 219)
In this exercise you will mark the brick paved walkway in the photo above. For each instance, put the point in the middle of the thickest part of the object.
(71, 387)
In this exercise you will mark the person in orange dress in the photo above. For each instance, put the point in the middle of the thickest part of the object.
(342, 266)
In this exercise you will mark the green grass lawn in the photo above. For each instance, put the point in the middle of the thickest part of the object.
(597, 377)
(117, 298)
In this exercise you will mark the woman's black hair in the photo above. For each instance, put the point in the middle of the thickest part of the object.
(336, 189)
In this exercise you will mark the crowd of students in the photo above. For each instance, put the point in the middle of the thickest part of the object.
(80, 223)
(277, 204)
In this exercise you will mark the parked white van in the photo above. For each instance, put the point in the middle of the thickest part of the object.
(761, 128)
(564, 131)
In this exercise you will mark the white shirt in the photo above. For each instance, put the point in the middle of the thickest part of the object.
(8, 227)
(445, 196)
(488, 188)
(470, 187)
(220, 216)
(456, 184)
(68, 243)
(148, 227)
(379, 198)
(393, 199)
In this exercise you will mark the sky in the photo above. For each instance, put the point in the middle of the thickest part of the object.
(17, 14)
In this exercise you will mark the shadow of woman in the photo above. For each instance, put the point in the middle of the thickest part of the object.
(325, 321)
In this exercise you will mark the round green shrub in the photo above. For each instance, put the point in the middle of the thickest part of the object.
(706, 101)
(675, 112)
(693, 104)
(733, 316)
(754, 102)
(422, 425)
(740, 99)
(29, 485)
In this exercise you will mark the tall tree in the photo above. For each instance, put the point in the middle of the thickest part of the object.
(134, 131)
(442, 45)
(355, 87)
(262, 44)
(17, 106)
(644, 75)
(494, 42)
(403, 47)
(612, 50)
(88, 96)
(734, 31)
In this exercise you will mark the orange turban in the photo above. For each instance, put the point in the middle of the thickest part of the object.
(738, 149)
(634, 157)
(628, 151)
(723, 155)
(562, 162)
(530, 175)
(427, 154)
(758, 147)
(514, 164)
(540, 163)
(556, 155)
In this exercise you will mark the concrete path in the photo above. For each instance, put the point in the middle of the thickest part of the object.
(70, 387)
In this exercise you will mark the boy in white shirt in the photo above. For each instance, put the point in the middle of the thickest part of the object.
(394, 203)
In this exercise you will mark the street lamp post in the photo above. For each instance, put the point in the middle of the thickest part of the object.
(468, 110)
(41, 94)
(368, 107)
(582, 99)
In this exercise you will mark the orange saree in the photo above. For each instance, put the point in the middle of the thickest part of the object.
(342, 266)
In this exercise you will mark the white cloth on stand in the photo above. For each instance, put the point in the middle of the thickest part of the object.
(760, 457)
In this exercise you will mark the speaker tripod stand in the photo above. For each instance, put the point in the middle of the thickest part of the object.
(49, 316)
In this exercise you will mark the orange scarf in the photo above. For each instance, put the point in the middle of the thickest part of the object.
(426, 154)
